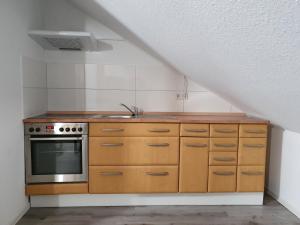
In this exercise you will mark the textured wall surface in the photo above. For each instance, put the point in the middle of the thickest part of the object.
(246, 51)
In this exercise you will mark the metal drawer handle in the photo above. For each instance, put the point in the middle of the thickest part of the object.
(112, 144)
(196, 145)
(113, 130)
(159, 145)
(225, 131)
(117, 173)
(162, 130)
(254, 145)
(224, 173)
(157, 174)
(196, 130)
(224, 159)
(225, 145)
(253, 173)
(255, 131)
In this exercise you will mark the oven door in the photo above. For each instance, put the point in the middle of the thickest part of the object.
(51, 159)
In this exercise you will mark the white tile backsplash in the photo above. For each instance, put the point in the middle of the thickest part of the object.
(117, 77)
(161, 101)
(65, 75)
(66, 99)
(109, 100)
(158, 77)
(34, 73)
(34, 101)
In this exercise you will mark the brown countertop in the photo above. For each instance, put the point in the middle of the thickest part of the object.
(170, 117)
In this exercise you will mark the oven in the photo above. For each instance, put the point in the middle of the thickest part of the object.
(56, 152)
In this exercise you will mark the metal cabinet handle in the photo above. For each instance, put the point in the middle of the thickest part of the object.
(162, 130)
(158, 174)
(159, 145)
(225, 131)
(111, 173)
(196, 130)
(225, 145)
(252, 173)
(224, 173)
(224, 159)
(196, 145)
(254, 145)
(112, 144)
(113, 130)
(255, 131)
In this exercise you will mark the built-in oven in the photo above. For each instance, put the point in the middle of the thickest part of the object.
(56, 152)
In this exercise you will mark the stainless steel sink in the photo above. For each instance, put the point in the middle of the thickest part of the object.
(112, 116)
(115, 116)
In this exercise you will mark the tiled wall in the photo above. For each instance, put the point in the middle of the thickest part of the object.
(99, 87)
(34, 87)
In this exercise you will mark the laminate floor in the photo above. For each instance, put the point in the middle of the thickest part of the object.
(270, 213)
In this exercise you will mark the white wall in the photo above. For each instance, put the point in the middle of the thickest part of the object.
(16, 17)
(284, 169)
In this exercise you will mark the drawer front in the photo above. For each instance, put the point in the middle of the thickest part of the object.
(194, 130)
(222, 179)
(115, 151)
(222, 158)
(252, 151)
(250, 178)
(133, 130)
(223, 144)
(133, 179)
(224, 130)
(253, 130)
(193, 165)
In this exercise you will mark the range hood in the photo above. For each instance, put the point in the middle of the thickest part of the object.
(64, 40)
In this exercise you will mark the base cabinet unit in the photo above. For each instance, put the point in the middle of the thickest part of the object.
(193, 164)
(133, 179)
(222, 179)
(250, 178)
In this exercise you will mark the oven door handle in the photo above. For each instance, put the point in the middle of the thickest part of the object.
(57, 139)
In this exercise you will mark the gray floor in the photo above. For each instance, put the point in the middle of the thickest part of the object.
(270, 213)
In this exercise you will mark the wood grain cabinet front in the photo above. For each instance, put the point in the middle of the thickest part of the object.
(116, 151)
(252, 151)
(224, 130)
(133, 179)
(194, 130)
(223, 144)
(222, 158)
(253, 130)
(193, 164)
(250, 178)
(133, 130)
(222, 179)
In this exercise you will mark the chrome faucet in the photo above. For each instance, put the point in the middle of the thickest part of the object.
(135, 111)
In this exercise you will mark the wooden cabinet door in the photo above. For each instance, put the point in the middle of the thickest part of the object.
(224, 130)
(222, 158)
(222, 179)
(223, 144)
(194, 130)
(250, 178)
(252, 151)
(193, 164)
(253, 130)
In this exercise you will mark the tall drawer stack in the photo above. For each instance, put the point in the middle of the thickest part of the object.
(133, 157)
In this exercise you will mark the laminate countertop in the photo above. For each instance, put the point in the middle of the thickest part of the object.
(163, 117)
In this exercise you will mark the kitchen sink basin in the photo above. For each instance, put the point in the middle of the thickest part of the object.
(107, 116)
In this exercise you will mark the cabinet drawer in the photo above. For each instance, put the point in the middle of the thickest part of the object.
(194, 130)
(222, 179)
(193, 165)
(250, 178)
(134, 129)
(115, 151)
(224, 130)
(253, 130)
(252, 151)
(223, 144)
(222, 158)
(133, 179)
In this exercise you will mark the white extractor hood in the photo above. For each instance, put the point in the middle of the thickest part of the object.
(64, 40)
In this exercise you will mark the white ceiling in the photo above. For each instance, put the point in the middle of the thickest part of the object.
(248, 52)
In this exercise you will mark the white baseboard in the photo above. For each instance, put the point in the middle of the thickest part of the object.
(255, 198)
(285, 203)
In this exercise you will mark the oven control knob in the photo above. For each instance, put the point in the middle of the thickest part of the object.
(73, 129)
(61, 129)
(37, 129)
(31, 129)
(80, 129)
(67, 129)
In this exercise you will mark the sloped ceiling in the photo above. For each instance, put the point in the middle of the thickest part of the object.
(248, 52)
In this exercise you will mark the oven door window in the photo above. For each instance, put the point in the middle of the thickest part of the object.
(50, 157)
